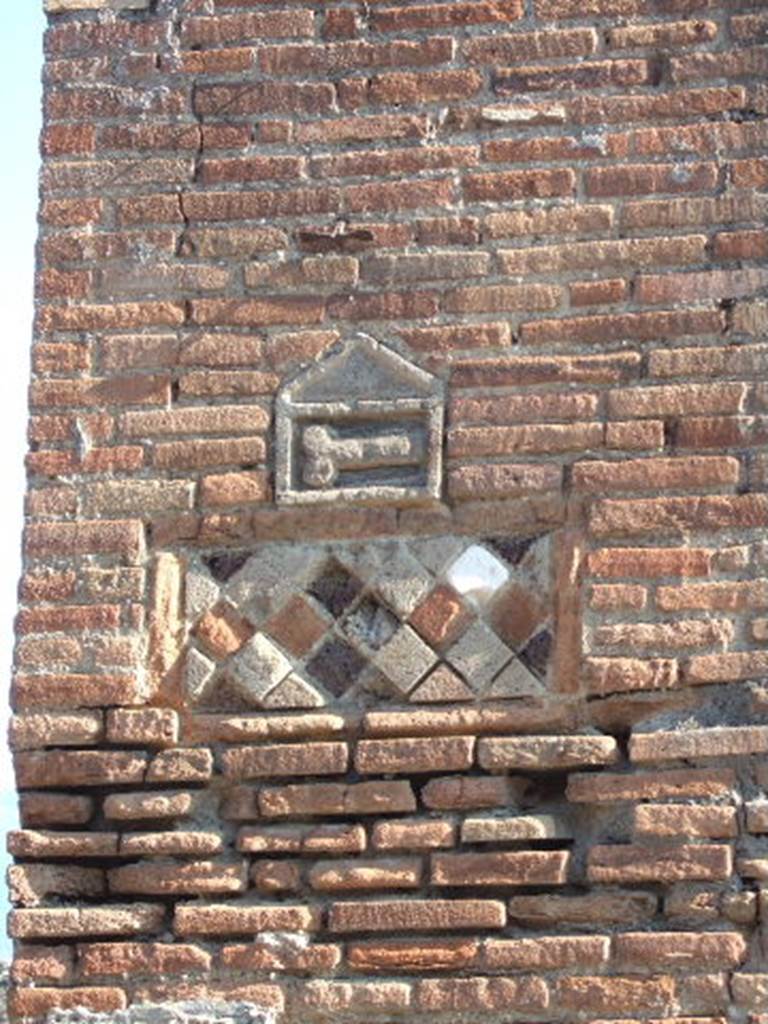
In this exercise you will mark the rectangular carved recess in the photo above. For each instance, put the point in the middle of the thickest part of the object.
(391, 643)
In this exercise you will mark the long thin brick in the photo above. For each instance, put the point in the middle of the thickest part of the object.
(416, 915)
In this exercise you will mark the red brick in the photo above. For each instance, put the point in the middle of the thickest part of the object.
(511, 185)
(65, 769)
(433, 754)
(750, 173)
(258, 312)
(71, 212)
(676, 33)
(716, 596)
(68, 617)
(651, 562)
(285, 759)
(124, 316)
(597, 995)
(408, 955)
(462, 792)
(335, 798)
(74, 922)
(209, 453)
(675, 515)
(557, 220)
(334, 58)
(543, 753)
(42, 809)
(246, 27)
(644, 179)
(685, 821)
(360, 874)
(546, 954)
(416, 915)
(413, 834)
(319, 957)
(410, 88)
(590, 109)
(618, 597)
(398, 19)
(107, 959)
(500, 869)
(74, 690)
(615, 327)
(197, 878)
(474, 442)
(680, 783)
(692, 211)
(662, 289)
(598, 293)
(363, 129)
(36, 1003)
(235, 919)
(515, 371)
(656, 474)
(150, 727)
(460, 995)
(498, 48)
(363, 996)
(660, 864)
(585, 75)
(65, 729)
(600, 906)
(720, 741)
(665, 636)
(383, 306)
(43, 963)
(743, 62)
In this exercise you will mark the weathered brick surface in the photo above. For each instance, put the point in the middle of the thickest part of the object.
(558, 209)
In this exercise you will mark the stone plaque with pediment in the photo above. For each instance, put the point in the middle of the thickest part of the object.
(364, 425)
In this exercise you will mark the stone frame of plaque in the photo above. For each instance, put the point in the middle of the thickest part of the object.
(362, 426)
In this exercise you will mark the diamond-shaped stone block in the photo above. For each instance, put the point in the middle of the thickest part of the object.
(267, 578)
(516, 680)
(516, 613)
(441, 687)
(294, 692)
(370, 624)
(197, 673)
(222, 631)
(441, 616)
(201, 593)
(477, 574)
(297, 626)
(337, 665)
(335, 588)
(405, 659)
(403, 582)
(259, 667)
(478, 655)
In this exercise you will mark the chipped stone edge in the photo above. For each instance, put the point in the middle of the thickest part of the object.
(198, 1012)
(69, 6)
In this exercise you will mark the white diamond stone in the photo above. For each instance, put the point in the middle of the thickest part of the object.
(477, 575)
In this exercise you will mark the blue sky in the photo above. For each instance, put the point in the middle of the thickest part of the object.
(22, 28)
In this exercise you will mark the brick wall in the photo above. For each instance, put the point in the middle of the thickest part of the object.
(290, 752)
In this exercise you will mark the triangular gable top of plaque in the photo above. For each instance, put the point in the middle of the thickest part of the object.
(362, 370)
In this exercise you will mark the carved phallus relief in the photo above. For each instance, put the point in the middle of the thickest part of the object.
(363, 425)
(425, 620)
